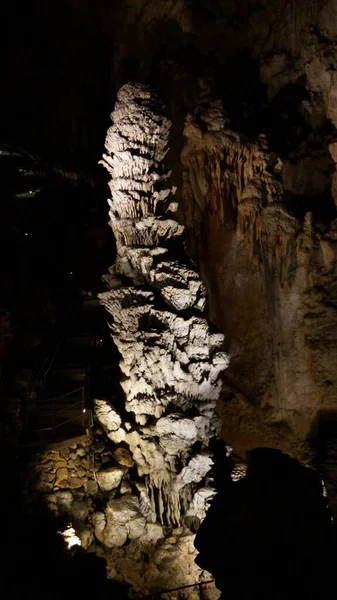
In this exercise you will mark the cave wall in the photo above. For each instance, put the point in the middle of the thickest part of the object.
(270, 276)
(137, 494)
(79, 490)
(259, 211)
(252, 87)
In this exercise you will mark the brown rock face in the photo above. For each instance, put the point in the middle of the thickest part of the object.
(255, 85)
(251, 91)
(274, 272)
(123, 457)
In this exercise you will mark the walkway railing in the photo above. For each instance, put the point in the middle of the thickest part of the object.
(199, 586)
(79, 404)
(83, 414)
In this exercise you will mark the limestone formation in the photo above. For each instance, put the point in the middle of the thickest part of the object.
(171, 360)
(274, 65)
(274, 268)
(110, 478)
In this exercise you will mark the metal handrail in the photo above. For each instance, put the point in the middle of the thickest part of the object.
(34, 376)
(53, 427)
(56, 412)
(199, 584)
(52, 360)
(65, 395)
(71, 406)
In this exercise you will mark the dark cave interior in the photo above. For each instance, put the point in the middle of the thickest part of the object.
(272, 530)
(51, 243)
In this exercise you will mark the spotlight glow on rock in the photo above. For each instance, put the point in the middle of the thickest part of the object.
(70, 537)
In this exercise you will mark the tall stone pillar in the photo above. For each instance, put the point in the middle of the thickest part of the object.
(171, 361)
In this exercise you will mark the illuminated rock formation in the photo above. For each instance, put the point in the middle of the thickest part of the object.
(271, 261)
(171, 361)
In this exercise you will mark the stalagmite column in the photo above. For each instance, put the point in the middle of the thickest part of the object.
(171, 361)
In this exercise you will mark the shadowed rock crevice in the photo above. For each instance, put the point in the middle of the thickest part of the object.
(35, 559)
(268, 533)
(323, 445)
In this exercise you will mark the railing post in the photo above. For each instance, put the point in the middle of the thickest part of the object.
(83, 406)
(53, 418)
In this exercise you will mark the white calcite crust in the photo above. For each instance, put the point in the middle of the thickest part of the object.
(171, 361)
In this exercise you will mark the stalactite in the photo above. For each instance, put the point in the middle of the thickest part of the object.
(239, 187)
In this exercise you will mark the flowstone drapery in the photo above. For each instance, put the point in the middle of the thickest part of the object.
(171, 361)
